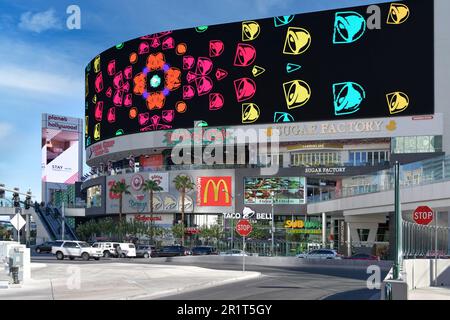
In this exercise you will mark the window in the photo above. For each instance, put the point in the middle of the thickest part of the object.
(70, 245)
(363, 234)
(94, 197)
(316, 159)
(420, 144)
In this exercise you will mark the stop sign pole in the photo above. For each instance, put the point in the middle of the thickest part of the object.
(244, 228)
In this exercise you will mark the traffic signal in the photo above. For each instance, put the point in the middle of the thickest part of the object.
(16, 198)
(2, 191)
(28, 200)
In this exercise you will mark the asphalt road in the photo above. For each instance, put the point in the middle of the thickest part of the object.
(276, 283)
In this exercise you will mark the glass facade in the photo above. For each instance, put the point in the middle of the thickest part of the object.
(368, 158)
(94, 197)
(417, 144)
(316, 159)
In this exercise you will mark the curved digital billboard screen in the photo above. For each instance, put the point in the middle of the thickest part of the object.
(359, 62)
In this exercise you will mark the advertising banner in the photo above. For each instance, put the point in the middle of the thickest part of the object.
(137, 201)
(61, 150)
(214, 191)
(280, 190)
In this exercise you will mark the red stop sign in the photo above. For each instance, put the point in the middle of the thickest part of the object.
(244, 228)
(423, 215)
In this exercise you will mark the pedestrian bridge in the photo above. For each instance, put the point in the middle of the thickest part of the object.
(421, 183)
(366, 201)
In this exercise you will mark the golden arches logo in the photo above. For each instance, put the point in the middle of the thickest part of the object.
(296, 93)
(216, 190)
(250, 112)
(250, 30)
(398, 13)
(397, 101)
(297, 41)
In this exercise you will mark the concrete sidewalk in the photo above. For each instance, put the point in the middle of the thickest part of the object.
(112, 281)
(430, 293)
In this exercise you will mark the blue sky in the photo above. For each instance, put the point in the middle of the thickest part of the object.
(42, 62)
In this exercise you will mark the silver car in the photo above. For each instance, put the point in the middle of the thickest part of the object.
(144, 251)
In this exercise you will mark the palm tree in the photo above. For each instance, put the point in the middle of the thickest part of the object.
(120, 188)
(151, 186)
(183, 184)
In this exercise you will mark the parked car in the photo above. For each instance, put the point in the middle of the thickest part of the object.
(204, 251)
(125, 250)
(107, 247)
(234, 253)
(75, 249)
(320, 254)
(172, 251)
(45, 247)
(145, 251)
(363, 256)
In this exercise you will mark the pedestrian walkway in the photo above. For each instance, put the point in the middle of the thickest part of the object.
(430, 293)
(113, 281)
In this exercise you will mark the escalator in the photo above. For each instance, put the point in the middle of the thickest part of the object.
(51, 219)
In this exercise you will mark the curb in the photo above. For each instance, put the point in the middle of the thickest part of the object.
(193, 287)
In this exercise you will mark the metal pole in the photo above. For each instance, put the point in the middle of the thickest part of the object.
(243, 254)
(398, 223)
(18, 229)
(435, 249)
(273, 231)
(27, 232)
(324, 229)
(232, 233)
(63, 224)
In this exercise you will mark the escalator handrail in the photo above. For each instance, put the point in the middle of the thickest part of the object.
(46, 223)
(67, 227)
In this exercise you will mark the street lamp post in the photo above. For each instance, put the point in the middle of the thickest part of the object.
(232, 220)
(273, 228)
(398, 223)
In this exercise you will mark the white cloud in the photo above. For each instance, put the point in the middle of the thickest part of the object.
(5, 130)
(21, 78)
(40, 21)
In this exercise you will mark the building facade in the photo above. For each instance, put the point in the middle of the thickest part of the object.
(268, 116)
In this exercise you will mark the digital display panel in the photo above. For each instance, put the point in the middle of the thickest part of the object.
(282, 190)
(329, 65)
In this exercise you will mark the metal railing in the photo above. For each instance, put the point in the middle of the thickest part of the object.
(412, 174)
(420, 241)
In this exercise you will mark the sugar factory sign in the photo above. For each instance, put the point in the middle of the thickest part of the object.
(325, 170)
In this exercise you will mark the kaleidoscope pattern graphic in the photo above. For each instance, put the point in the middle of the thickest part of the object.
(306, 67)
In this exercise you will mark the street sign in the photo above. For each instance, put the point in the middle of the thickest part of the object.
(423, 215)
(244, 228)
(18, 222)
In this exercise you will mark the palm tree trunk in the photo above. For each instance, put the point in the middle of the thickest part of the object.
(151, 215)
(183, 192)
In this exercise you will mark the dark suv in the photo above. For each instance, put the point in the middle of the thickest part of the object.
(204, 251)
(172, 251)
(45, 247)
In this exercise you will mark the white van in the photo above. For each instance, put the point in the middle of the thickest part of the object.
(125, 250)
(107, 248)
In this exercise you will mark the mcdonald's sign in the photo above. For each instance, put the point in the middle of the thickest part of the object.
(214, 191)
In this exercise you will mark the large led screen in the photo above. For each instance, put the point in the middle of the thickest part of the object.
(279, 190)
(359, 62)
